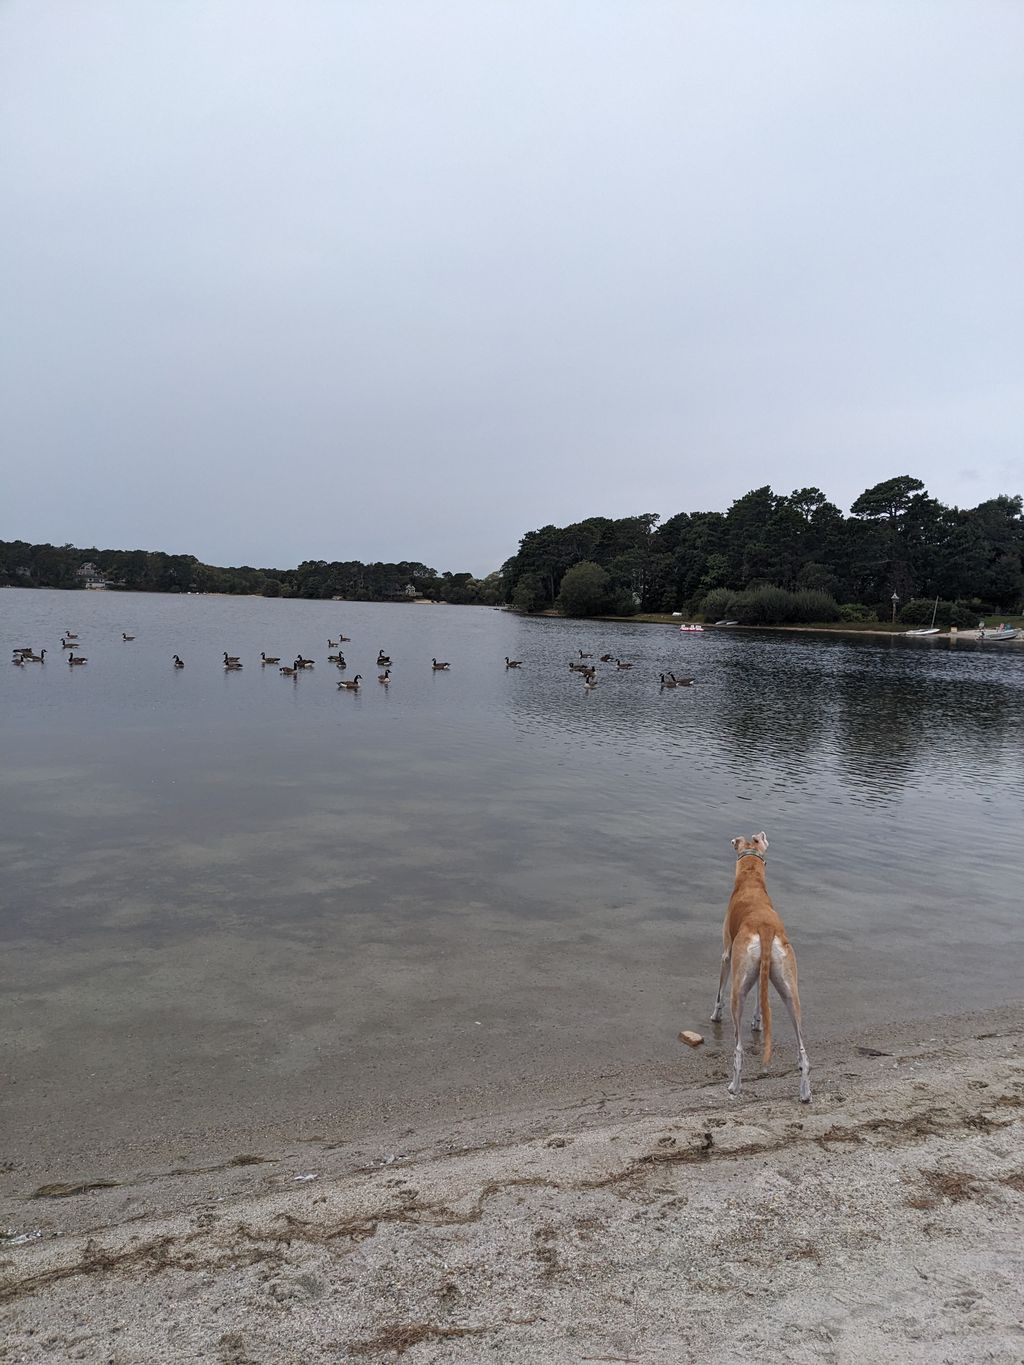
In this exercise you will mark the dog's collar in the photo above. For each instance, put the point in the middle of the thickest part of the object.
(750, 853)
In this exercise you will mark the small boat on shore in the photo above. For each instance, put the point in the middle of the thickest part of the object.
(997, 634)
(931, 629)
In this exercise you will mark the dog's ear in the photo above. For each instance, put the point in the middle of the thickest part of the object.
(737, 841)
(761, 839)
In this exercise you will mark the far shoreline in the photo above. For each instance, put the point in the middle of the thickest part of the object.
(874, 628)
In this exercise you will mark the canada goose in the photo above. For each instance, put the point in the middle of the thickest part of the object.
(69, 644)
(576, 668)
(384, 677)
(270, 658)
(513, 663)
(383, 658)
(31, 658)
(178, 663)
(584, 656)
(76, 659)
(70, 635)
(588, 672)
(232, 666)
(127, 637)
(607, 658)
(300, 662)
(344, 639)
(350, 684)
(230, 658)
(289, 672)
(333, 658)
(333, 644)
(620, 664)
(340, 662)
(589, 683)
(669, 681)
(19, 659)
(681, 682)
(439, 668)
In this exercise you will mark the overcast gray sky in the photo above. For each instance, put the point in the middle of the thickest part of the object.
(380, 279)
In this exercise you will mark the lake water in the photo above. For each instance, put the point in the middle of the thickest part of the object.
(233, 897)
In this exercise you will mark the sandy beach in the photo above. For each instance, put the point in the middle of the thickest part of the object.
(885, 1221)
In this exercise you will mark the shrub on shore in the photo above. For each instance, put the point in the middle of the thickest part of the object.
(717, 605)
(918, 612)
(856, 611)
(771, 606)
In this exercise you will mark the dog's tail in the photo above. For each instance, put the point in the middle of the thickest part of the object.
(767, 936)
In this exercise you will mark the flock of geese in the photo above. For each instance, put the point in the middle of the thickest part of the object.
(588, 672)
(24, 654)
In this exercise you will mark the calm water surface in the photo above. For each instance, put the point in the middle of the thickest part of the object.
(232, 896)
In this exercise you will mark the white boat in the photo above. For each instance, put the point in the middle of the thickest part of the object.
(727, 623)
(928, 630)
(999, 633)
(689, 626)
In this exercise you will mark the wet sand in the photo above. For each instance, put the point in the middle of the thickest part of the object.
(883, 1221)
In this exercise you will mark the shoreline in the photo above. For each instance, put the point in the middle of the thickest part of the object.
(881, 1221)
(821, 628)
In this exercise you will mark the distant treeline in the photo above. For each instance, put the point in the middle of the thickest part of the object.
(777, 557)
(68, 566)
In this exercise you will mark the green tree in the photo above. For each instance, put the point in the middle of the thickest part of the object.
(529, 594)
(889, 499)
(585, 590)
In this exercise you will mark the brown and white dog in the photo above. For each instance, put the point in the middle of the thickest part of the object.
(754, 945)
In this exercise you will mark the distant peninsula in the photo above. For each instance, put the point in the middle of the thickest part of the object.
(67, 566)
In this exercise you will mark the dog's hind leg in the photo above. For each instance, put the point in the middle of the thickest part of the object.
(783, 976)
(744, 974)
(716, 1013)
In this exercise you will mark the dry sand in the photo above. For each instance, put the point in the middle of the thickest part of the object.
(883, 1222)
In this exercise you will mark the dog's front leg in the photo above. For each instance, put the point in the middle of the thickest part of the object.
(716, 1013)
